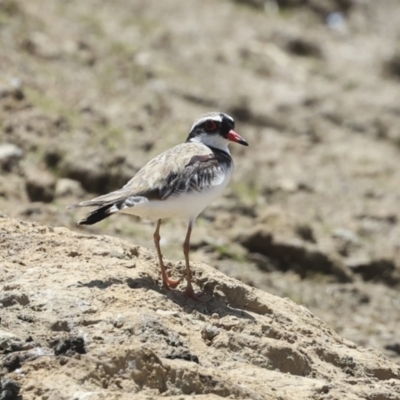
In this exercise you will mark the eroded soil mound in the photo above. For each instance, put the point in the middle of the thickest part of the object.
(85, 317)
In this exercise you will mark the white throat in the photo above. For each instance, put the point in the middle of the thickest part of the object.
(216, 141)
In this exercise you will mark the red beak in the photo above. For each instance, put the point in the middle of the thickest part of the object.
(235, 137)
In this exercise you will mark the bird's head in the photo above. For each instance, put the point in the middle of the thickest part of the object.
(216, 130)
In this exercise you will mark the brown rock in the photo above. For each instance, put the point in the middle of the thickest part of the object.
(68, 187)
(40, 186)
(10, 154)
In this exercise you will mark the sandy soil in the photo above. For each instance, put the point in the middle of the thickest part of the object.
(85, 317)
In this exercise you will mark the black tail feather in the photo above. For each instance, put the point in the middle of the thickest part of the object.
(96, 215)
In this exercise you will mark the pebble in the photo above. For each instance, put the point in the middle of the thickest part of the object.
(68, 187)
(10, 150)
(346, 235)
(209, 332)
(5, 339)
(167, 313)
(9, 389)
(337, 22)
(10, 154)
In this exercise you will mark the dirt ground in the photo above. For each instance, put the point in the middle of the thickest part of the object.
(89, 91)
(95, 323)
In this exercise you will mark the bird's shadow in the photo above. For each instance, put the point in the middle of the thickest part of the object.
(209, 304)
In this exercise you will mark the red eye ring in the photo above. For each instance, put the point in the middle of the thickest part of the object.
(210, 125)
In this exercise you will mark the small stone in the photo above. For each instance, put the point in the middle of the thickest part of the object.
(167, 313)
(9, 389)
(346, 235)
(337, 22)
(209, 332)
(68, 187)
(119, 321)
(11, 299)
(69, 346)
(10, 154)
(184, 356)
(305, 232)
(63, 360)
(16, 83)
(60, 326)
(11, 363)
(5, 339)
(130, 265)
(287, 185)
(40, 186)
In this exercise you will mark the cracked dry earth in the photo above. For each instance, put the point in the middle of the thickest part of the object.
(85, 317)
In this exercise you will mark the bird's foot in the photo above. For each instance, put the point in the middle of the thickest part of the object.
(170, 283)
(190, 293)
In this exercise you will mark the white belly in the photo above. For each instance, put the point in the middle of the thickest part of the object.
(186, 206)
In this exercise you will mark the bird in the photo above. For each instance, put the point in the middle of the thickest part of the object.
(178, 183)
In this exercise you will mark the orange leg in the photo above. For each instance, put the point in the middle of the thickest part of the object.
(189, 292)
(167, 282)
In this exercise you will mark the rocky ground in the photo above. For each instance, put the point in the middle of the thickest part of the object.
(94, 323)
(89, 91)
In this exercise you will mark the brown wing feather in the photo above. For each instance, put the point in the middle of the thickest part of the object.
(158, 178)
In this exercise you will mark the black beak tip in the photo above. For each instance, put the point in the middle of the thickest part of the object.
(243, 142)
